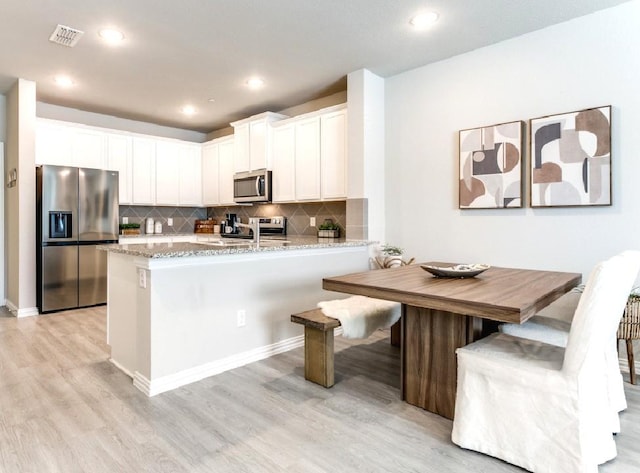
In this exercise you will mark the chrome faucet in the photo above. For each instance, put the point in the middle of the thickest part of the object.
(255, 228)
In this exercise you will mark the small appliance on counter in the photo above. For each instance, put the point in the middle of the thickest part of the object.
(150, 228)
(157, 228)
(229, 225)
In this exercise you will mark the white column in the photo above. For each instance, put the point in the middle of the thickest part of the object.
(366, 156)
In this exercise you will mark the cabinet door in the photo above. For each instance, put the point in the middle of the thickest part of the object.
(143, 171)
(241, 148)
(307, 169)
(284, 155)
(190, 176)
(333, 155)
(210, 175)
(119, 159)
(53, 144)
(168, 156)
(258, 145)
(88, 148)
(226, 170)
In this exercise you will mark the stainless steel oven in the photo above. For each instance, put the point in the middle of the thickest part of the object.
(254, 186)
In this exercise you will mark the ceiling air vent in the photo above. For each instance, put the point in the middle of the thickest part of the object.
(66, 36)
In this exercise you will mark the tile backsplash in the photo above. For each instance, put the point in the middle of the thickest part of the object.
(184, 218)
(298, 215)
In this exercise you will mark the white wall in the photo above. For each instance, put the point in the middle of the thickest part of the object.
(21, 200)
(590, 61)
(3, 138)
(2, 226)
(3, 118)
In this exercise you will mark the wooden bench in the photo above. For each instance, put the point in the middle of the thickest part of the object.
(318, 345)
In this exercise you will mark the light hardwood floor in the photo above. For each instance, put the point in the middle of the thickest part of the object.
(65, 408)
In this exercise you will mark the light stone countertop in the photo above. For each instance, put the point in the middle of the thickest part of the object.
(236, 246)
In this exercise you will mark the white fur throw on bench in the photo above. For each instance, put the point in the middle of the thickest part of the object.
(360, 316)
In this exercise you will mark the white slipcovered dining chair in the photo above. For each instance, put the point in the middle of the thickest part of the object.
(552, 324)
(540, 406)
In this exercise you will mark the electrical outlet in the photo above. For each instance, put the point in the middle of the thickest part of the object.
(312, 222)
(242, 318)
(125, 219)
(170, 222)
(142, 278)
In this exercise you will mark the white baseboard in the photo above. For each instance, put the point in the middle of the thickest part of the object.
(121, 368)
(26, 312)
(191, 375)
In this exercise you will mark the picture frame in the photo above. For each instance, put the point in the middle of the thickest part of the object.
(491, 166)
(571, 159)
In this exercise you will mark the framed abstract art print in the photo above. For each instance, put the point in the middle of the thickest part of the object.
(571, 159)
(491, 166)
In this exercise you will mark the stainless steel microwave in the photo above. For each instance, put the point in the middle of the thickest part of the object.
(254, 186)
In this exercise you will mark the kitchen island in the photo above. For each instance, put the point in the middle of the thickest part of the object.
(180, 312)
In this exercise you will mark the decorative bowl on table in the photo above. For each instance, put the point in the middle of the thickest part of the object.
(456, 271)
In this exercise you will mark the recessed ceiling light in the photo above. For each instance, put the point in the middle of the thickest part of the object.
(424, 20)
(189, 110)
(211, 100)
(111, 35)
(255, 83)
(63, 81)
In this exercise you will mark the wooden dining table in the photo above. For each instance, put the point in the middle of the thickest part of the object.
(440, 315)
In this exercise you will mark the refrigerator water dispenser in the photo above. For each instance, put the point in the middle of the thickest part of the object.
(60, 225)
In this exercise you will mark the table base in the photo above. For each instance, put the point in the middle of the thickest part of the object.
(429, 369)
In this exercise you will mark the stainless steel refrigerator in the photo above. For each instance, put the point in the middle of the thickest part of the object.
(77, 209)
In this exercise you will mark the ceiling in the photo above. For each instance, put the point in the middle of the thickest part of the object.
(179, 52)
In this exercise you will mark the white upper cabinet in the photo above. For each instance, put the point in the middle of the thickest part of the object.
(307, 167)
(210, 186)
(53, 143)
(252, 142)
(226, 171)
(119, 159)
(284, 158)
(241, 148)
(88, 148)
(217, 171)
(307, 154)
(333, 155)
(144, 171)
(167, 183)
(178, 171)
(190, 175)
